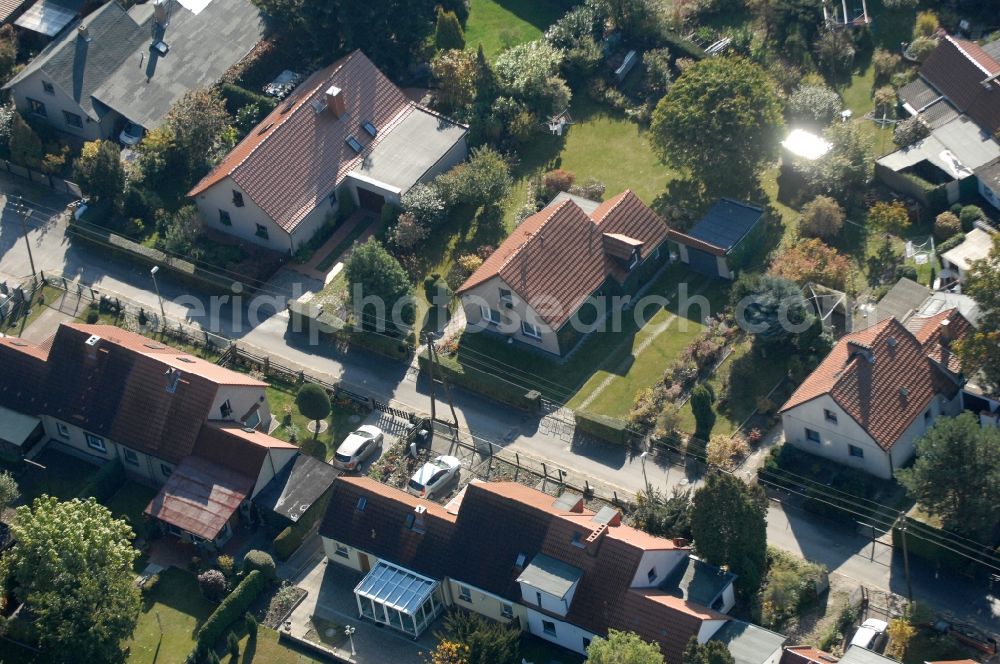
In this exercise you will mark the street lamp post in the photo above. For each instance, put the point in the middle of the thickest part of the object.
(644, 478)
(163, 315)
(349, 631)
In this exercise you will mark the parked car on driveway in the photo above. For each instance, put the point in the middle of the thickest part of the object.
(357, 447)
(433, 475)
(131, 134)
(870, 633)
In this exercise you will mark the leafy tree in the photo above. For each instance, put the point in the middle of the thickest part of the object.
(623, 648)
(886, 63)
(658, 72)
(720, 120)
(212, 584)
(885, 101)
(712, 652)
(487, 641)
(25, 146)
(659, 515)
(314, 403)
(921, 47)
(454, 73)
(842, 173)
(448, 34)
(956, 475)
(979, 350)
(392, 31)
(99, 170)
(968, 215)
(773, 310)
(822, 217)
(814, 103)
(181, 231)
(449, 652)
(408, 233)
(374, 273)
(9, 491)
(900, 633)
(530, 72)
(425, 203)
(909, 131)
(72, 567)
(926, 24)
(8, 51)
(891, 217)
(835, 51)
(728, 521)
(812, 261)
(200, 127)
(484, 180)
(704, 415)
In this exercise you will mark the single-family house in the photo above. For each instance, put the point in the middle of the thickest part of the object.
(346, 130)
(517, 555)
(957, 96)
(120, 65)
(553, 276)
(878, 391)
(720, 243)
(956, 262)
(907, 299)
(194, 429)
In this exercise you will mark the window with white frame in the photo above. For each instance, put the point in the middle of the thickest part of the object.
(130, 456)
(490, 315)
(62, 429)
(829, 416)
(530, 330)
(96, 443)
(856, 451)
(812, 435)
(465, 593)
(506, 610)
(225, 409)
(342, 551)
(549, 627)
(506, 295)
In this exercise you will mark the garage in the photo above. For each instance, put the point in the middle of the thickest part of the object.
(702, 262)
(720, 242)
(369, 200)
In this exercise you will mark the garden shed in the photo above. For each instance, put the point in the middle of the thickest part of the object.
(720, 242)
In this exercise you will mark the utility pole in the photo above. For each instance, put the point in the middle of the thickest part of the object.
(444, 381)
(25, 215)
(429, 338)
(906, 556)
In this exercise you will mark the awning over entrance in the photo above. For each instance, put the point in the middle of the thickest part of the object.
(397, 597)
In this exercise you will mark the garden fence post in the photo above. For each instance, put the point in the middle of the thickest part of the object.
(545, 471)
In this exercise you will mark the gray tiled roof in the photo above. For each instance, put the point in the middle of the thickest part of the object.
(727, 223)
(116, 66)
(918, 93)
(697, 581)
(747, 643)
(550, 575)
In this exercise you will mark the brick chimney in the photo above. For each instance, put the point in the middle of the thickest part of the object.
(946, 332)
(335, 101)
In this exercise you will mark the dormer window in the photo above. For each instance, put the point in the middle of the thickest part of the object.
(369, 129)
(354, 144)
(521, 558)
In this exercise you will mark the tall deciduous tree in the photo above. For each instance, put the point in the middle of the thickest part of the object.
(377, 279)
(99, 170)
(713, 652)
(728, 522)
(9, 491)
(623, 648)
(956, 474)
(72, 567)
(25, 146)
(843, 172)
(720, 120)
(455, 73)
(822, 217)
(979, 350)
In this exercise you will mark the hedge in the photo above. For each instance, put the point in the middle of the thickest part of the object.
(105, 482)
(951, 243)
(917, 545)
(231, 608)
(290, 539)
(237, 97)
(478, 381)
(303, 316)
(606, 428)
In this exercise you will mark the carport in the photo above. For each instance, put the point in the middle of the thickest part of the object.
(399, 598)
(719, 242)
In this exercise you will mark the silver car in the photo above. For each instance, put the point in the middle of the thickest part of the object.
(433, 475)
(358, 447)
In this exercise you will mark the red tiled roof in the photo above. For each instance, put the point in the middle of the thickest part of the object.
(500, 522)
(295, 157)
(230, 446)
(200, 496)
(806, 655)
(958, 68)
(884, 395)
(556, 258)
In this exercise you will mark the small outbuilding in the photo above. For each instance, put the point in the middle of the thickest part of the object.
(720, 243)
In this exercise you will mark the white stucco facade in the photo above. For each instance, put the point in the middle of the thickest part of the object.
(510, 311)
(561, 633)
(59, 108)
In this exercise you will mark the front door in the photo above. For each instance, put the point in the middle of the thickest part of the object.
(366, 566)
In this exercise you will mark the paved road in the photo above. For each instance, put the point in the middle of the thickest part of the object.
(546, 439)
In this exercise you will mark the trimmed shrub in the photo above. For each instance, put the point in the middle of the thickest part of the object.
(105, 482)
(262, 562)
(968, 216)
(558, 180)
(286, 543)
(212, 584)
(251, 625)
(600, 426)
(950, 243)
(232, 607)
(946, 225)
(822, 217)
(233, 645)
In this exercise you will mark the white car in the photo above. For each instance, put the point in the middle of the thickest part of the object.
(131, 134)
(870, 633)
(433, 475)
(357, 447)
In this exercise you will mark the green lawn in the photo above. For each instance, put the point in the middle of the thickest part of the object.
(499, 24)
(267, 650)
(177, 605)
(633, 372)
(130, 501)
(749, 376)
(281, 397)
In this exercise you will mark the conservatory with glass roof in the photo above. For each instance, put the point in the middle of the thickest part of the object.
(399, 598)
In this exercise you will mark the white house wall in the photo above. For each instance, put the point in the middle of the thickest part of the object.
(484, 603)
(55, 103)
(489, 291)
(455, 155)
(566, 635)
(350, 560)
(993, 197)
(709, 628)
(276, 459)
(245, 219)
(241, 399)
(550, 603)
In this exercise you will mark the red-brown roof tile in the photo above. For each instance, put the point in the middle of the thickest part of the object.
(296, 157)
(556, 258)
(958, 68)
(885, 394)
(806, 655)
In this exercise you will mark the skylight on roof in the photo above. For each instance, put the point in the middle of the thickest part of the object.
(370, 128)
(355, 145)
